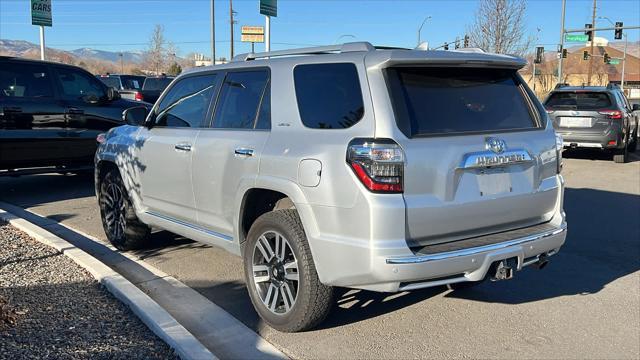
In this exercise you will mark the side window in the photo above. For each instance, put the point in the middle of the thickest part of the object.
(239, 99)
(77, 84)
(329, 95)
(187, 102)
(25, 80)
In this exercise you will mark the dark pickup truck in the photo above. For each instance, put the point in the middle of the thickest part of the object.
(154, 86)
(51, 114)
(128, 86)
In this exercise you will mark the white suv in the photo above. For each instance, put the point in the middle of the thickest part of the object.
(349, 165)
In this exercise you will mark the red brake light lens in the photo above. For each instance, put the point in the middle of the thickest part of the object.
(138, 96)
(378, 164)
(612, 114)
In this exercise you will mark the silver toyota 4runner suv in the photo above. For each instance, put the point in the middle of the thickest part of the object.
(353, 166)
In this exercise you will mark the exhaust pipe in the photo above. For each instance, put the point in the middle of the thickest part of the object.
(542, 262)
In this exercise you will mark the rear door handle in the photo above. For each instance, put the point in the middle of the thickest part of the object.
(75, 111)
(13, 109)
(183, 147)
(244, 152)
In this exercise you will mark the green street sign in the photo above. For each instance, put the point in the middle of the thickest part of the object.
(269, 7)
(576, 38)
(41, 12)
(614, 62)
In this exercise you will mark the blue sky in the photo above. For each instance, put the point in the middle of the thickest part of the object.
(123, 25)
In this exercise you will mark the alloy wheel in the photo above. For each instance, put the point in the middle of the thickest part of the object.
(275, 272)
(114, 210)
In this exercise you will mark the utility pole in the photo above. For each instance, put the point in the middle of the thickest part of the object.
(564, 7)
(213, 34)
(624, 61)
(231, 23)
(593, 40)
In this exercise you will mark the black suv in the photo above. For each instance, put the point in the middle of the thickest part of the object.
(51, 114)
(594, 117)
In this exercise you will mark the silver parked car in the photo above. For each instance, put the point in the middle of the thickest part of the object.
(353, 166)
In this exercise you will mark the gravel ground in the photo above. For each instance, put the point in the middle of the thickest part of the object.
(60, 311)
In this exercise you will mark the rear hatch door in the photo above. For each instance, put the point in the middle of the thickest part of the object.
(479, 158)
(580, 111)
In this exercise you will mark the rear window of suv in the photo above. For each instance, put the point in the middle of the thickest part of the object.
(447, 100)
(578, 100)
(329, 95)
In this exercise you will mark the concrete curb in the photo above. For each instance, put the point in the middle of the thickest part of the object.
(153, 315)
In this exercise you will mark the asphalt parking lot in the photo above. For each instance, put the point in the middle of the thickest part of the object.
(585, 304)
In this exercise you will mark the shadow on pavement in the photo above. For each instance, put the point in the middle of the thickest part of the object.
(594, 154)
(33, 190)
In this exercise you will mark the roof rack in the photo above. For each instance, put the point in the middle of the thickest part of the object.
(343, 48)
(560, 85)
(613, 86)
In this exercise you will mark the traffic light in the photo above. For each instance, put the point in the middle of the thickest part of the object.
(564, 53)
(446, 46)
(466, 41)
(607, 58)
(539, 54)
(585, 55)
(589, 33)
(618, 35)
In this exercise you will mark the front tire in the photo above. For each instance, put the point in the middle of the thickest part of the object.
(121, 225)
(281, 276)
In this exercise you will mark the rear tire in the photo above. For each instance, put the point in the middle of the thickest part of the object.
(121, 225)
(281, 276)
(633, 146)
(621, 156)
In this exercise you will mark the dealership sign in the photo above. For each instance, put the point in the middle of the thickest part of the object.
(41, 12)
(252, 34)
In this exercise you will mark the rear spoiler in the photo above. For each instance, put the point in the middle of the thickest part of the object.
(445, 58)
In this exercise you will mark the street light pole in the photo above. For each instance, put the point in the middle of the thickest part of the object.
(420, 28)
(344, 35)
(213, 34)
(231, 17)
(564, 7)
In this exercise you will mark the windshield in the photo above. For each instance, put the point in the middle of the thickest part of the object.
(132, 82)
(156, 83)
(444, 100)
(110, 81)
(578, 100)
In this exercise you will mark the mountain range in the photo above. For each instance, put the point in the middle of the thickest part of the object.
(21, 48)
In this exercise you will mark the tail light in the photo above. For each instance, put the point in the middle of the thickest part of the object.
(549, 110)
(611, 114)
(378, 164)
(138, 96)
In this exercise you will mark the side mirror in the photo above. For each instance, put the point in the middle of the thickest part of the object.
(635, 107)
(112, 94)
(135, 116)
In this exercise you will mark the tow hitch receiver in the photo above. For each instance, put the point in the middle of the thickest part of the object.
(503, 269)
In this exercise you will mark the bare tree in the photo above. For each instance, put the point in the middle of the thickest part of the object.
(500, 27)
(155, 56)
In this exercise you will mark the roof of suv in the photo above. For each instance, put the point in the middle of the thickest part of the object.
(375, 56)
(587, 89)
